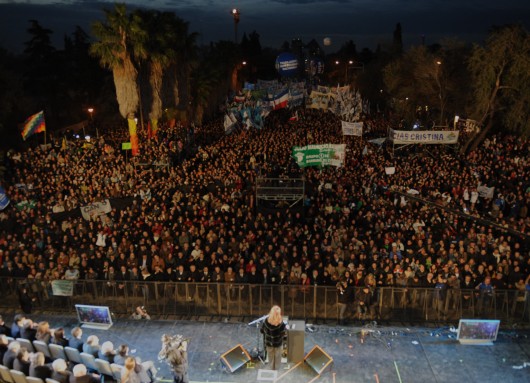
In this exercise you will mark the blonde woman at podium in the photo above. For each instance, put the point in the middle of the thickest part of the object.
(273, 330)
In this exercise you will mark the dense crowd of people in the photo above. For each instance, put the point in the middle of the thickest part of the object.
(15, 355)
(185, 210)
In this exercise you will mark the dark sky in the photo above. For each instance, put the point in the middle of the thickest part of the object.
(366, 22)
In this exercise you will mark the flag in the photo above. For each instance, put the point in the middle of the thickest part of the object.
(4, 201)
(280, 100)
(149, 130)
(294, 117)
(239, 98)
(64, 145)
(34, 124)
(133, 136)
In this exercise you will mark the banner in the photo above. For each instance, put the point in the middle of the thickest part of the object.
(95, 209)
(229, 122)
(319, 100)
(389, 170)
(63, 288)
(352, 128)
(4, 201)
(424, 137)
(378, 141)
(320, 155)
(486, 192)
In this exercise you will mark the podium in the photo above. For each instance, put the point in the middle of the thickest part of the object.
(295, 341)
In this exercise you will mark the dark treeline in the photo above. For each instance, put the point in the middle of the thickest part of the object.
(171, 76)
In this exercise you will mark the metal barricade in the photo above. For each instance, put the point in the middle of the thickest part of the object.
(188, 300)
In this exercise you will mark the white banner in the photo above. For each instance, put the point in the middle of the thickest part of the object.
(486, 192)
(389, 170)
(96, 209)
(424, 136)
(352, 128)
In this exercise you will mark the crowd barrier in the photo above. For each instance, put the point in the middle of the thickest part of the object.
(166, 299)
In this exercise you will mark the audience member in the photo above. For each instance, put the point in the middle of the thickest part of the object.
(4, 330)
(21, 362)
(11, 354)
(91, 346)
(106, 352)
(80, 375)
(43, 333)
(58, 337)
(38, 368)
(3, 346)
(75, 340)
(60, 372)
(16, 327)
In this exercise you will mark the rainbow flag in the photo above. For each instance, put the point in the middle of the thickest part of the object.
(34, 124)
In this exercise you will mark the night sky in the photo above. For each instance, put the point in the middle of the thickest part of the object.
(366, 22)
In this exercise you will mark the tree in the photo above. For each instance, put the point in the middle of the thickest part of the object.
(500, 73)
(424, 78)
(161, 49)
(397, 41)
(120, 40)
(41, 78)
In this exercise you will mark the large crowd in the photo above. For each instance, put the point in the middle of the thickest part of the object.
(185, 209)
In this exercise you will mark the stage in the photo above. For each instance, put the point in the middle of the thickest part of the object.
(387, 354)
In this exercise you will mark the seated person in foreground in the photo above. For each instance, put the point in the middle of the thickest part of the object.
(60, 372)
(92, 346)
(80, 375)
(38, 368)
(123, 354)
(75, 341)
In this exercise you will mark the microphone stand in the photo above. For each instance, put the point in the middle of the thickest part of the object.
(259, 352)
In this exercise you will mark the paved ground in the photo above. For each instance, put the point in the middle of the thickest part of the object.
(388, 354)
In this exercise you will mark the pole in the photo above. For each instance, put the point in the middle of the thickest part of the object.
(235, 14)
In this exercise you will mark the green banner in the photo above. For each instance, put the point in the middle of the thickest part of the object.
(63, 288)
(320, 155)
(126, 146)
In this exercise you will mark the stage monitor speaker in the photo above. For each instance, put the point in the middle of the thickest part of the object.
(235, 358)
(318, 359)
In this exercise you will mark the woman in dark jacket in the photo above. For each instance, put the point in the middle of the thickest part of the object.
(273, 330)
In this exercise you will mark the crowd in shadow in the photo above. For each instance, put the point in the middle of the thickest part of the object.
(185, 210)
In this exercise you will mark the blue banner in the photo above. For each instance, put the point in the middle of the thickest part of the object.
(4, 201)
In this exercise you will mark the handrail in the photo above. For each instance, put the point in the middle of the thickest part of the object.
(212, 299)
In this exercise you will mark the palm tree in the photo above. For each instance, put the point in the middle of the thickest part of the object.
(162, 50)
(120, 41)
(177, 77)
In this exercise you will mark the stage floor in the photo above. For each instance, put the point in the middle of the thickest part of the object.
(388, 354)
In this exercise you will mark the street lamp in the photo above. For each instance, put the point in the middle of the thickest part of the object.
(347, 64)
(440, 90)
(90, 111)
(235, 14)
